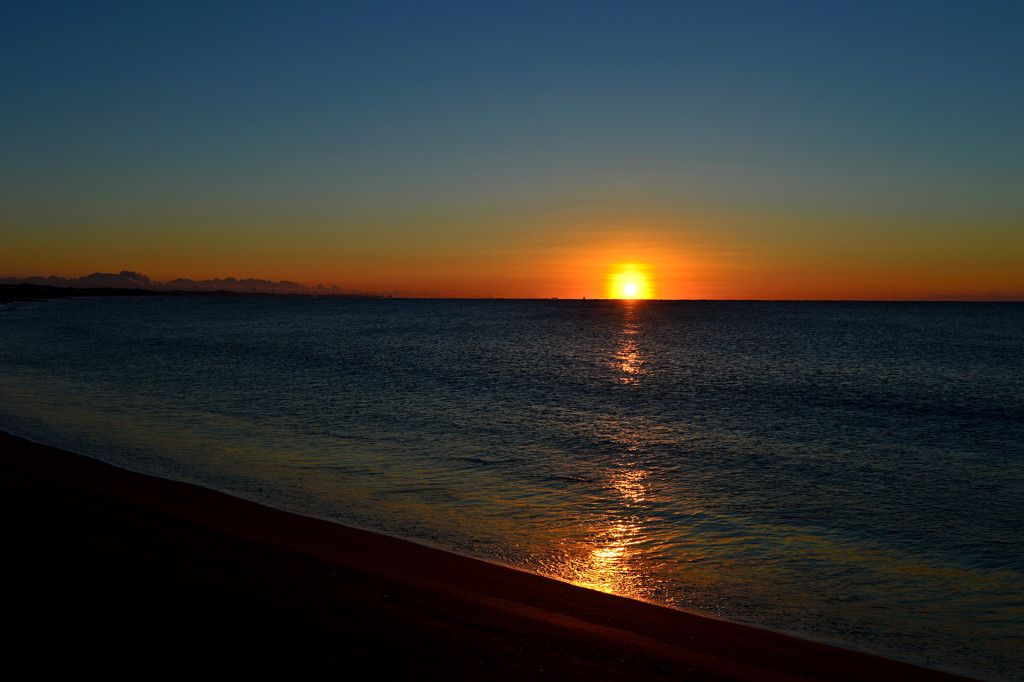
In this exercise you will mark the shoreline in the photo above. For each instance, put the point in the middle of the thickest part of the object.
(120, 569)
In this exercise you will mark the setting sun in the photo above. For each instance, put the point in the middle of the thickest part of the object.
(630, 282)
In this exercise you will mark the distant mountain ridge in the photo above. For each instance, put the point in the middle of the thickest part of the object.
(127, 279)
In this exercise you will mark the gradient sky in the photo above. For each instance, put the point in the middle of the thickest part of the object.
(730, 149)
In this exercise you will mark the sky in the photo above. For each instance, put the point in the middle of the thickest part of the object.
(723, 150)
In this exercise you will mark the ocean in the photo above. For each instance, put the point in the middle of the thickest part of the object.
(849, 472)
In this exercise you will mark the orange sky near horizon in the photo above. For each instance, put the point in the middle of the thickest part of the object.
(565, 257)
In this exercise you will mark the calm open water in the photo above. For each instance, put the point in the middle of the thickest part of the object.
(853, 472)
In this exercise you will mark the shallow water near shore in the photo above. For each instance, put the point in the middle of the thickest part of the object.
(853, 472)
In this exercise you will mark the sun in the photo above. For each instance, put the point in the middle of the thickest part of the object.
(630, 282)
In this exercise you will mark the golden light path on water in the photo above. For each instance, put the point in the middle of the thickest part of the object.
(612, 561)
(627, 357)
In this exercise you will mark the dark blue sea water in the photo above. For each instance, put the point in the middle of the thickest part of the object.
(853, 472)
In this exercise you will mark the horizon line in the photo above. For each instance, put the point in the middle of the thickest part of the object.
(84, 291)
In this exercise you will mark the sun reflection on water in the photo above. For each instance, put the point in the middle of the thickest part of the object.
(628, 359)
(611, 560)
(610, 564)
(611, 557)
(630, 485)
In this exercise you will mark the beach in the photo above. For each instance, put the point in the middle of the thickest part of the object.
(112, 570)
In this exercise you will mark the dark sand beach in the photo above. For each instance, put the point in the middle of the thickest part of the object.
(122, 573)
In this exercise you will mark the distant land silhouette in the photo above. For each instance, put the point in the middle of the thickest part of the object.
(128, 282)
(127, 279)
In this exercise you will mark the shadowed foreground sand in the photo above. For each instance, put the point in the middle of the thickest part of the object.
(126, 574)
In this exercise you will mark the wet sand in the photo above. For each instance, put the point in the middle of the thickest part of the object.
(122, 573)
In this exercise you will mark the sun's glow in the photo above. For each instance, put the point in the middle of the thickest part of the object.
(630, 282)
